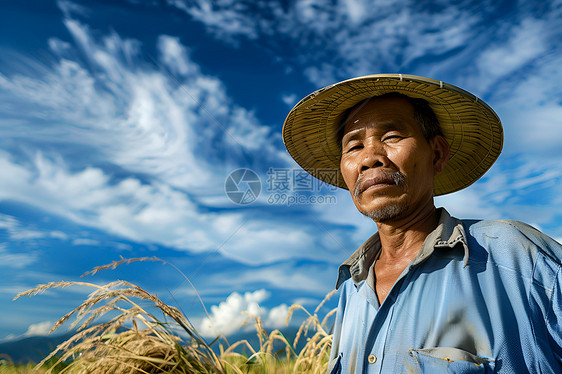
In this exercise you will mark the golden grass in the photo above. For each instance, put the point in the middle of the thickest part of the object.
(159, 339)
(19, 369)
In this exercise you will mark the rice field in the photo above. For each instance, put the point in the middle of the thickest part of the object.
(142, 334)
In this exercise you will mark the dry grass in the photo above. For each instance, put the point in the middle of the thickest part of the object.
(19, 369)
(159, 339)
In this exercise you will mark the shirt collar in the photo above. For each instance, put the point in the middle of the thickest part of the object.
(448, 233)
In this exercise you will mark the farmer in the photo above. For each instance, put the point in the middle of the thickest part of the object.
(428, 292)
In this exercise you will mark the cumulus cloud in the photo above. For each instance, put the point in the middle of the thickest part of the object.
(39, 329)
(230, 315)
(277, 316)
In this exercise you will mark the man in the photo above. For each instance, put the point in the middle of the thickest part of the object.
(427, 292)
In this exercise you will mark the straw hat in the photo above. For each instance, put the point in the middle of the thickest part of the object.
(472, 129)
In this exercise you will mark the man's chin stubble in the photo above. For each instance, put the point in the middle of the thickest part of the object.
(389, 212)
(386, 214)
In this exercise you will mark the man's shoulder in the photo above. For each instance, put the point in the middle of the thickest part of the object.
(513, 238)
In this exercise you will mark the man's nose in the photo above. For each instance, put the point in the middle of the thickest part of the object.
(373, 156)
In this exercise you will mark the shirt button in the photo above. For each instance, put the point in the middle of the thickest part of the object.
(372, 359)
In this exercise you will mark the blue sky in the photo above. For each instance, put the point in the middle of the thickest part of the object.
(120, 122)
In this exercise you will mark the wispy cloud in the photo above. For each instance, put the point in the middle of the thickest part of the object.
(343, 39)
(144, 212)
(531, 108)
(225, 18)
(157, 122)
(86, 241)
(525, 43)
(16, 260)
(172, 131)
(16, 231)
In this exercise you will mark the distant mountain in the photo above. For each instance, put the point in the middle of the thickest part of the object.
(32, 349)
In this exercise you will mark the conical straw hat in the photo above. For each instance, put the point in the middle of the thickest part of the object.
(472, 129)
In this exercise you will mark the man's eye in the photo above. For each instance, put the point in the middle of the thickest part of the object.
(391, 138)
(354, 147)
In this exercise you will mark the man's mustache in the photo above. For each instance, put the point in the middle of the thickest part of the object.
(383, 176)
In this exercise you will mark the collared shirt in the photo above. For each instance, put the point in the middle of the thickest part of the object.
(480, 296)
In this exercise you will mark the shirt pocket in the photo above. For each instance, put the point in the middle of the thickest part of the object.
(334, 367)
(446, 360)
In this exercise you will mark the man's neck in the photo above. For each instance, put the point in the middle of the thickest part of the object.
(402, 239)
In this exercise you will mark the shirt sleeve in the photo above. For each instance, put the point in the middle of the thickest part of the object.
(554, 317)
(335, 351)
(546, 303)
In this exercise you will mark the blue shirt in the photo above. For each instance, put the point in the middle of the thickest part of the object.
(480, 296)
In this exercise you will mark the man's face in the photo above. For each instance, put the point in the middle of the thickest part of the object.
(387, 163)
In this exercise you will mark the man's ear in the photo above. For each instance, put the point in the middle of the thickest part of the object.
(441, 153)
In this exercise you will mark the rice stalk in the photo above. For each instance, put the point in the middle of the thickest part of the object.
(120, 346)
(100, 348)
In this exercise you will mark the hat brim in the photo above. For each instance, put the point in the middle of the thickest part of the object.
(472, 129)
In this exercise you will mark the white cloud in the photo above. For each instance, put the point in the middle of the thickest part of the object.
(85, 241)
(468, 203)
(17, 231)
(58, 46)
(182, 134)
(149, 213)
(522, 188)
(307, 301)
(39, 329)
(347, 38)
(226, 18)
(531, 111)
(357, 10)
(143, 120)
(58, 235)
(526, 43)
(35, 329)
(175, 55)
(277, 316)
(289, 99)
(230, 315)
(128, 208)
(16, 260)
